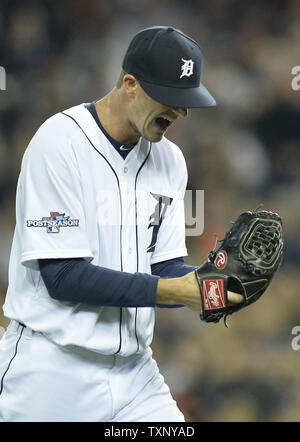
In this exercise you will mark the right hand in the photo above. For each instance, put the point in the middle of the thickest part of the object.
(185, 290)
(193, 297)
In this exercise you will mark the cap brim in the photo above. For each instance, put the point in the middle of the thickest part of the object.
(179, 97)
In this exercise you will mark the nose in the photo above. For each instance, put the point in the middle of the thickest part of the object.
(182, 111)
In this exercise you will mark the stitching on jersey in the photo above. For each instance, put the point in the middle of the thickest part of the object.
(114, 172)
(137, 240)
(9, 364)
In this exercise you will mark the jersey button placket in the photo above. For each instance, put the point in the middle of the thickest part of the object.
(128, 201)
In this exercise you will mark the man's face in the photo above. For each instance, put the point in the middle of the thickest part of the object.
(150, 118)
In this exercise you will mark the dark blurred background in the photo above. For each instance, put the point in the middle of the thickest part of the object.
(243, 153)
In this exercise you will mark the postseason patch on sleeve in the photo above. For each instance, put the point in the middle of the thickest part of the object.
(54, 222)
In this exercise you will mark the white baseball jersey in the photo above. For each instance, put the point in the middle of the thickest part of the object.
(77, 197)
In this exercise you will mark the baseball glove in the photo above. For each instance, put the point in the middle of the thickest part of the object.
(245, 262)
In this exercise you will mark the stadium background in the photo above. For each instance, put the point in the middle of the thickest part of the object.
(242, 153)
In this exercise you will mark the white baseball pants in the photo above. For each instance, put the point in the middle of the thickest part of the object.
(43, 382)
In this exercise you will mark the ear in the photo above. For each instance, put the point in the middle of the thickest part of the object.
(131, 85)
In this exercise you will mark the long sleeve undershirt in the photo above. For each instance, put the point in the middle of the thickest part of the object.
(76, 280)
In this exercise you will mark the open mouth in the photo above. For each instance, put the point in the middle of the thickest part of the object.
(162, 123)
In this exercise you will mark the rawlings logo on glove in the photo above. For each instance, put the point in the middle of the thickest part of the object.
(244, 263)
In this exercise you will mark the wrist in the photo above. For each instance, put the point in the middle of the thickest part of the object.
(183, 290)
(169, 291)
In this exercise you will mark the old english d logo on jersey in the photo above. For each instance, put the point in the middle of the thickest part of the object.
(54, 222)
(157, 217)
(213, 294)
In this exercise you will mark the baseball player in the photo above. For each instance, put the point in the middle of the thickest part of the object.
(99, 243)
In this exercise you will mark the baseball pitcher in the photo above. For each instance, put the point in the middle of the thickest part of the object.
(99, 243)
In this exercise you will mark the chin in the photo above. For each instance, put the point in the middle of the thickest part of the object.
(154, 138)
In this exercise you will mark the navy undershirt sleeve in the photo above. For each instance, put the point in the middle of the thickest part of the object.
(79, 281)
(76, 280)
(172, 268)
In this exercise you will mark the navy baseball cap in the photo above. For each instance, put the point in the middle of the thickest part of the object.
(168, 65)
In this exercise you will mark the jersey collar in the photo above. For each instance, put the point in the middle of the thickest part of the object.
(100, 142)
